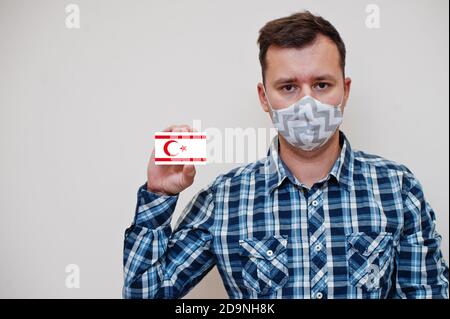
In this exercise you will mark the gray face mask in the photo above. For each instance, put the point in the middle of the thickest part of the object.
(308, 123)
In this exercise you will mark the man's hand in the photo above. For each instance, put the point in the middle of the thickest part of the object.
(170, 179)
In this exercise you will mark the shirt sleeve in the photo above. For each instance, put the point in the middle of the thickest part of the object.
(159, 263)
(421, 271)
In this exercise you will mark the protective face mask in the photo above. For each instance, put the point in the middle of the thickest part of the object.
(308, 123)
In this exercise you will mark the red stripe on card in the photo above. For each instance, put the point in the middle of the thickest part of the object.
(180, 136)
(183, 159)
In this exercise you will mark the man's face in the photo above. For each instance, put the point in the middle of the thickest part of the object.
(314, 70)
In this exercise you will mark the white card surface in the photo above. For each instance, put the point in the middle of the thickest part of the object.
(179, 148)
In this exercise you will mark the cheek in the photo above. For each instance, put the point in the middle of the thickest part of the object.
(283, 102)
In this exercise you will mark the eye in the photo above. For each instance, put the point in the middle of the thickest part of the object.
(288, 88)
(322, 86)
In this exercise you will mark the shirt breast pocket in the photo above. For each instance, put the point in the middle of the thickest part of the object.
(264, 263)
(369, 257)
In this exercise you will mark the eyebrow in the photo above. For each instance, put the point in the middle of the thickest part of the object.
(284, 81)
(321, 77)
(325, 77)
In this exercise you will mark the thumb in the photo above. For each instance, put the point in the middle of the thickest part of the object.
(189, 170)
(188, 175)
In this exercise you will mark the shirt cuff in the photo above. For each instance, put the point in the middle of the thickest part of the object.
(154, 210)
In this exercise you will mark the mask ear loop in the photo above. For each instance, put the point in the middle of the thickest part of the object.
(342, 100)
(340, 104)
(267, 98)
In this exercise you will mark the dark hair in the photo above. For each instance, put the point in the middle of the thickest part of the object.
(297, 31)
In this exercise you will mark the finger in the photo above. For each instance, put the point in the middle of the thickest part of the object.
(182, 128)
(171, 128)
(185, 128)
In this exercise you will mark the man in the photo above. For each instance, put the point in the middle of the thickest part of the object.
(313, 219)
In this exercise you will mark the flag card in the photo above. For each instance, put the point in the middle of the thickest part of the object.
(179, 148)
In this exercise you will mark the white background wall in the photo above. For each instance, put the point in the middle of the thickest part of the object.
(78, 108)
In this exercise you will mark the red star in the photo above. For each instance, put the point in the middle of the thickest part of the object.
(183, 148)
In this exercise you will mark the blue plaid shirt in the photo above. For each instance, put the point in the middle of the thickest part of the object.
(364, 231)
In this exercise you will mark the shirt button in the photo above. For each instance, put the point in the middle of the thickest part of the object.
(315, 203)
(318, 247)
(319, 295)
(269, 253)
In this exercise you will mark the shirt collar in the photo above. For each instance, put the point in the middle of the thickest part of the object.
(277, 171)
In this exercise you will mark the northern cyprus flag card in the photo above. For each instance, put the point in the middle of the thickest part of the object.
(179, 148)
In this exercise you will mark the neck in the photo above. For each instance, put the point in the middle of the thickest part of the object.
(310, 167)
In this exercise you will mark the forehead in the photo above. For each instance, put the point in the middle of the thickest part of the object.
(321, 56)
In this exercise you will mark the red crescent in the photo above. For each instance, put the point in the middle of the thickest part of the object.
(166, 147)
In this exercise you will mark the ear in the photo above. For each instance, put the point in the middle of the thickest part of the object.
(262, 98)
(347, 86)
